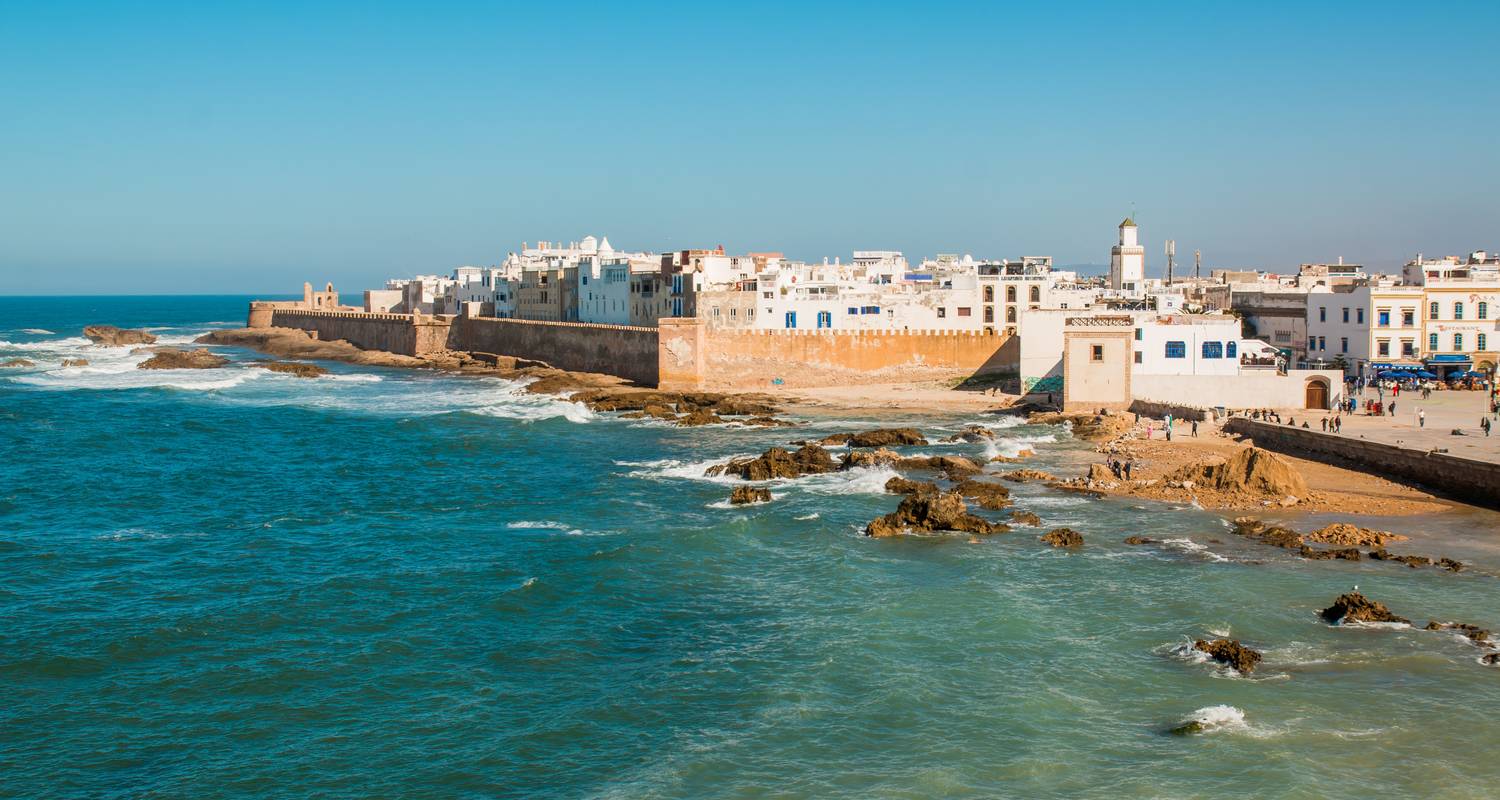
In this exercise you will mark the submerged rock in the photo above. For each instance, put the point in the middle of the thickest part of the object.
(700, 417)
(1381, 554)
(110, 336)
(955, 467)
(1230, 652)
(880, 437)
(1025, 518)
(18, 362)
(301, 369)
(75, 362)
(1355, 607)
(1134, 540)
(1341, 553)
(745, 495)
(1188, 728)
(988, 495)
(900, 485)
(1473, 633)
(778, 463)
(1063, 537)
(926, 512)
(972, 434)
(1024, 475)
(173, 358)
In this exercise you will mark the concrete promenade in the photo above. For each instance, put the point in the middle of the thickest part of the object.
(1446, 411)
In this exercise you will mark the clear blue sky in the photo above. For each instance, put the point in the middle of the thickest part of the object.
(228, 147)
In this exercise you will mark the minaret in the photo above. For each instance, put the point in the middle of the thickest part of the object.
(1127, 260)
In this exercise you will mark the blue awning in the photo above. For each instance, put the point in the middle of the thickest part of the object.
(1449, 358)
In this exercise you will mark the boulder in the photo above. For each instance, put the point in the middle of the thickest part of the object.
(1021, 455)
(173, 358)
(1098, 473)
(1473, 633)
(300, 369)
(988, 495)
(1091, 427)
(18, 362)
(1063, 537)
(1381, 554)
(955, 467)
(75, 362)
(1134, 540)
(1025, 518)
(1355, 607)
(700, 417)
(1341, 553)
(110, 336)
(1347, 535)
(745, 495)
(1250, 471)
(880, 437)
(1024, 475)
(1189, 728)
(943, 511)
(778, 463)
(1490, 659)
(1450, 564)
(1229, 652)
(1274, 535)
(972, 434)
(878, 457)
(900, 485)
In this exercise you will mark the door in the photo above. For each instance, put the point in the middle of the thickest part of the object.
(1317, 395)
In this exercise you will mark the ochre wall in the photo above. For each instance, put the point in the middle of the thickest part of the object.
(622, 350)
(394, 333)
(744, 359)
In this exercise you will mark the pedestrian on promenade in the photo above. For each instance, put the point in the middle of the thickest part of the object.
(1338, 425)
(1393, 407)
(1484, 423)
(1127, 469)
(1421, 418)
(1195, 429)
(1325, 424)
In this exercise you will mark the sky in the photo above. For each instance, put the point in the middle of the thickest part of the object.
(246, 147)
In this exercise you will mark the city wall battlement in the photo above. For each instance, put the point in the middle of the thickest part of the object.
(682, 353)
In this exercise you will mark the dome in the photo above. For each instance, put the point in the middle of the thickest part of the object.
(589, 244)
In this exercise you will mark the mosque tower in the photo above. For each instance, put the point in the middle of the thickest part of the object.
(1127, 261)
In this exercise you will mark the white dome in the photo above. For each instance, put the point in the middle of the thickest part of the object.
(589, 244)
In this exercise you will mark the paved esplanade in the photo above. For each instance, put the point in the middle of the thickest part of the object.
(1446, 410)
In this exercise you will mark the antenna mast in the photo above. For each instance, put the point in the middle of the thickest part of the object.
(1171, 255)
(1197, 264)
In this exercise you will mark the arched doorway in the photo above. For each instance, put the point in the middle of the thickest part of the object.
(1317, 394)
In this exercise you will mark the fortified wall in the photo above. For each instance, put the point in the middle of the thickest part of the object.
(1465, 478)
(683, 353)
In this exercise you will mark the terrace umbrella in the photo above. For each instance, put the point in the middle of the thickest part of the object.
(1422, 373)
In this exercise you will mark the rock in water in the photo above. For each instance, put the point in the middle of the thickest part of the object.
(1188, 728)
(172, 358)
(1063, 537)
(1230, 652)
(298, 368)
(18, 362)
(1473, 633)
(1355, 607)
(1133, 540)
(1025, 518)
(988, 495)
(1024, 475)
(878, 457)
(778, 463)
(75, 362)
(972, 434)
(945, 511)
(955, 467)
(1347, 535)
(900, 485)
(1249, 471)
(880, 437)
(110, 336)
(700, 417)
(745, 495)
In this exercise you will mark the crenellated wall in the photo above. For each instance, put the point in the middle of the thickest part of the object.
(622, 350)
(393, 333)
(756, 359)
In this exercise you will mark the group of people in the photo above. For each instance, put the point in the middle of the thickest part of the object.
(1167, 427)
(1121, 469)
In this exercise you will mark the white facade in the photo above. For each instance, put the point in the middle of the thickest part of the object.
(1127, 261)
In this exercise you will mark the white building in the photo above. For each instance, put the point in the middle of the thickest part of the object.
(1127, 261)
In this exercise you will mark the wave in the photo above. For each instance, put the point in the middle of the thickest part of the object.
(805, 517)
(677, 469)
(201, 380)
(1219, 719)
(860, 480)
(37, 331)
(1194, 548)
(546, 524)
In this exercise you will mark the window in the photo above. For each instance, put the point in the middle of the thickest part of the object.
(1213, 349)
(1383, 317)
(1458, 310)
(1484, 311)
(1010, 294)
(825, 319)
(1176, 350)
(1432, 310)
(1096, 352)
(1322, 342)
(1408, 317)
(1140, 333)
(1036, 294)
(1458, 341)
(1138, 355)
(1383, 347)
(1322, 313)
(989, 313)
(1346, 316)
(1343, 344)
(869, 309)
(1359, 314)
(1482, 342)
(963, 311)
(1432, 343)
(853, 310)
(942, 312)
(989, 294)
(791, 319)
(1408, 347)
(1231, 349)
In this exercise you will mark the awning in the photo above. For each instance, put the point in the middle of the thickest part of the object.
(1449, 358)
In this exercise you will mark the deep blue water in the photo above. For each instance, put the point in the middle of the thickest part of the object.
(232, 583)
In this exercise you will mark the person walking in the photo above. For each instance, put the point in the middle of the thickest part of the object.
(1484, 425)
(1392, 407)
(1421, 418)
(1128, 465)
(1325, 424)
(1195, 429)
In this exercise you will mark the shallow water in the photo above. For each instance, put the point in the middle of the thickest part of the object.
(233, 583)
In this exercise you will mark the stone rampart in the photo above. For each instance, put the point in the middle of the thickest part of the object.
(623, 350)
(1463, 478)
(757, 359)
(403, 334)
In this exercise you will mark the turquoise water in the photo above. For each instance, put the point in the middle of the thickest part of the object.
(232, 583)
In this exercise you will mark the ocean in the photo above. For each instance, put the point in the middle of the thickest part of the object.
(231, 583)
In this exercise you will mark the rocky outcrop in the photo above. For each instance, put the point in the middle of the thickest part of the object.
(173, 358)
(1230, 653)
(18, 363)
(900, 485)
(879, 457)
(988, 495)
(1024, 475)
(300, 369)
(75, 362)
(110, 336)
(880, 437)
(1250, 472)
(1274, 535)
(1473, 633)
(1025, 518)
(1381, 554)
(699, 416)
(1355, 607)
(1089, 427)
(972, 434)
(1340, 553)
(1021, 455)
(1135, 540)
(926, 513)
(1347, 535)
(955, 467)
(695, 408)
(745, 495)
(778, 463)
(1063, 537)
